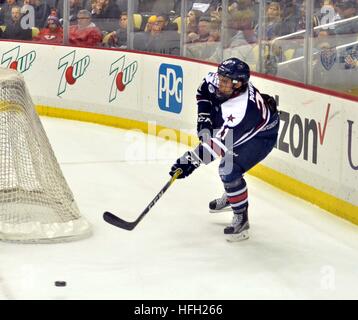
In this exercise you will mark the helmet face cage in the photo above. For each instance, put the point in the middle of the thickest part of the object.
(226, 86)
(235, 69)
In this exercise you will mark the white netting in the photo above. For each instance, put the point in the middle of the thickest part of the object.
(36, 204)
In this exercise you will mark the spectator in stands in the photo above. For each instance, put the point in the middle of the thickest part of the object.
(102, 9)
(214, 32)
(273, 21)
(244, 5)
(75, 7)
(327, 8)
(105, 14)
(149, 41)
(242, 23)
(52, 33)
(85, 33)
(14, 29)
(193, 21)
(349, 57)
(347, 9)
(158, 40)
(215, 15)
(204, 43)
(244, 43)
(351, 60)
(170, 33)
(214, 36)
(5, 11)
(118, 38)
(54, 12)
(164, 22)
(214, 4)
(233, 7)
(203, 31)
(290, 17)
(141, 38)
(301, 23)
(149, 24)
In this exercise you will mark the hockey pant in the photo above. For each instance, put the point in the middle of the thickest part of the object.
(232, 168)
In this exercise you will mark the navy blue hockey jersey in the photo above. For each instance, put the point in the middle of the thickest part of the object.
(236, 120)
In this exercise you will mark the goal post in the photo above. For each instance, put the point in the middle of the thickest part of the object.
(36, 203)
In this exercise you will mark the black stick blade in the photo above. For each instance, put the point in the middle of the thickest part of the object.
(118, 222)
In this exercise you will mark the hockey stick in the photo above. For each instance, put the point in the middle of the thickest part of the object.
(120, 223)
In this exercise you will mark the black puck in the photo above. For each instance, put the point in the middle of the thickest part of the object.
(60, 283)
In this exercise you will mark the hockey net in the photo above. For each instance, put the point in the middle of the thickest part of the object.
(36, 204)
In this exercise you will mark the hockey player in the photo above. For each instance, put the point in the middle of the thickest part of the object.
(240, 125)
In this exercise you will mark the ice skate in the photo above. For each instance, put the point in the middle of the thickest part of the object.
(220, 204)
(238, 229)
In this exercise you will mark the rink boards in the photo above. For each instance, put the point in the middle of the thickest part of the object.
(316, 157)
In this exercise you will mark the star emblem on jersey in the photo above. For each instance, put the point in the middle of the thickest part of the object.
(230, 118)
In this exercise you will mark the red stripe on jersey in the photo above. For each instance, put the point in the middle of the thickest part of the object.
(238, 198)
(217, 149)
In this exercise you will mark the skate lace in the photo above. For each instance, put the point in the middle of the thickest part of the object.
(236, 220)
(222, 201)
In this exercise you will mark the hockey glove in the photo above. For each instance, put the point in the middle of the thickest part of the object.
(204, 127)
(188, 163)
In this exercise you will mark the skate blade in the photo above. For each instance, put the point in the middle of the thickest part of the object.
(236, 237)
(226, 209)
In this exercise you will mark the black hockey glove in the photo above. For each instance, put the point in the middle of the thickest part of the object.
(204, 127)
(188, 163)
(270, 102)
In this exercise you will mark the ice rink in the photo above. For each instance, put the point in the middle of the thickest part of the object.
(178, 251)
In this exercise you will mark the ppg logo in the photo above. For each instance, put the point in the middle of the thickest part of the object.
(170, 87)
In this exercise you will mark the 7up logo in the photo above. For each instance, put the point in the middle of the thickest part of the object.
(71, 70)
(122, 76)
(12, 59)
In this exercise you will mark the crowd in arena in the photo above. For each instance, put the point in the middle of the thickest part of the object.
(209, 33)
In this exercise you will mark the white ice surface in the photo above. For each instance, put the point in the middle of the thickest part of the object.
(178, 251)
